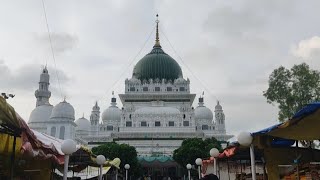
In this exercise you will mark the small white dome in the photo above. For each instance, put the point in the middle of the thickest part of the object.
(63, 110)
(202, 112)
(112, 113)
(157, 110)
(134, 80)
(41, 114)
(83, 124)
(180, 80)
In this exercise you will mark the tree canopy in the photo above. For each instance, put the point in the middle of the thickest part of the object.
(126, 153)
(194, 148)
(292, 89)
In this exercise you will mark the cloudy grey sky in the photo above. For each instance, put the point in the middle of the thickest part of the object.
(230, 46)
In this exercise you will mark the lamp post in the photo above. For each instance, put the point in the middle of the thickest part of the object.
(199, 163)
(100, 160)
(245, 139)
(68, 147)
(127, 167)
(189, 167)
(214, 152)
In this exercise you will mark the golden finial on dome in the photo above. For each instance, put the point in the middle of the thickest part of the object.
(157, 44)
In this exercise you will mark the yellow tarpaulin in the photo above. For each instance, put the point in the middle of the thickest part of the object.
(6, 145)
(8, 115)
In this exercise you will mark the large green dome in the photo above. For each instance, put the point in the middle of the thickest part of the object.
(157, 64)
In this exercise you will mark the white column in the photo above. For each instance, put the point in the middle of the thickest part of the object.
(65, 169)
(253, 165)
(215, 166)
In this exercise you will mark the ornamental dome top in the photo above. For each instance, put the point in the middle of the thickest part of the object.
(157, 64)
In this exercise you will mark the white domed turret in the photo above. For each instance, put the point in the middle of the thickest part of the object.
(134, 80)
(63, 110)
(113, 113)
(40, 114)
(180, 80)
(83, 124)
(202, 112)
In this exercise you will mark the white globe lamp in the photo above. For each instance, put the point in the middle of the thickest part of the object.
(214, 152)
(245, 138)
(68, 146)
(101, 159)
(199, 161)
(127, 167)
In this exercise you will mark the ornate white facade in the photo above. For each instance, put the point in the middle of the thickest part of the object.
(157, 111)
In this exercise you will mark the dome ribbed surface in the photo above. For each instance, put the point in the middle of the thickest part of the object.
(157, 64)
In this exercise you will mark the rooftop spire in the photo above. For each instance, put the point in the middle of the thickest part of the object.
(157, 44)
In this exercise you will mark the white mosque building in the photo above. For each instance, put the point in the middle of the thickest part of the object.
(157, 111)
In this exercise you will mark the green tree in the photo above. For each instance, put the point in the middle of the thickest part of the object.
(126, 153)
(194, 148)
(292, 89)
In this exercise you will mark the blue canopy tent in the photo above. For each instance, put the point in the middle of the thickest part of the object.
(277, 140)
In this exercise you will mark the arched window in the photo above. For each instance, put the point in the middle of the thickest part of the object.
(205, 127)
(62, 130)
(53, 131)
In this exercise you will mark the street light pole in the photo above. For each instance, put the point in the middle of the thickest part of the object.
(253, 162)
(245, 139)
(189, 167)
(199, 163)
(127, 167)
(67, 147)
(214, 152)
(100, 160)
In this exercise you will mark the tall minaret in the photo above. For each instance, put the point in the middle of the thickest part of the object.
(43, 94)
(94, 119)
(220, 119)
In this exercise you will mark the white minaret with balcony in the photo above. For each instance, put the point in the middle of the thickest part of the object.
(42, 93)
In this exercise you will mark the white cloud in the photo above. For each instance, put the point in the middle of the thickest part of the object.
(308, 48)
(61, 42)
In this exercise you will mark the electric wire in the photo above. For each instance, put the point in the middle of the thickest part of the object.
(204, 86)
(52, 51)
(133, 60)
